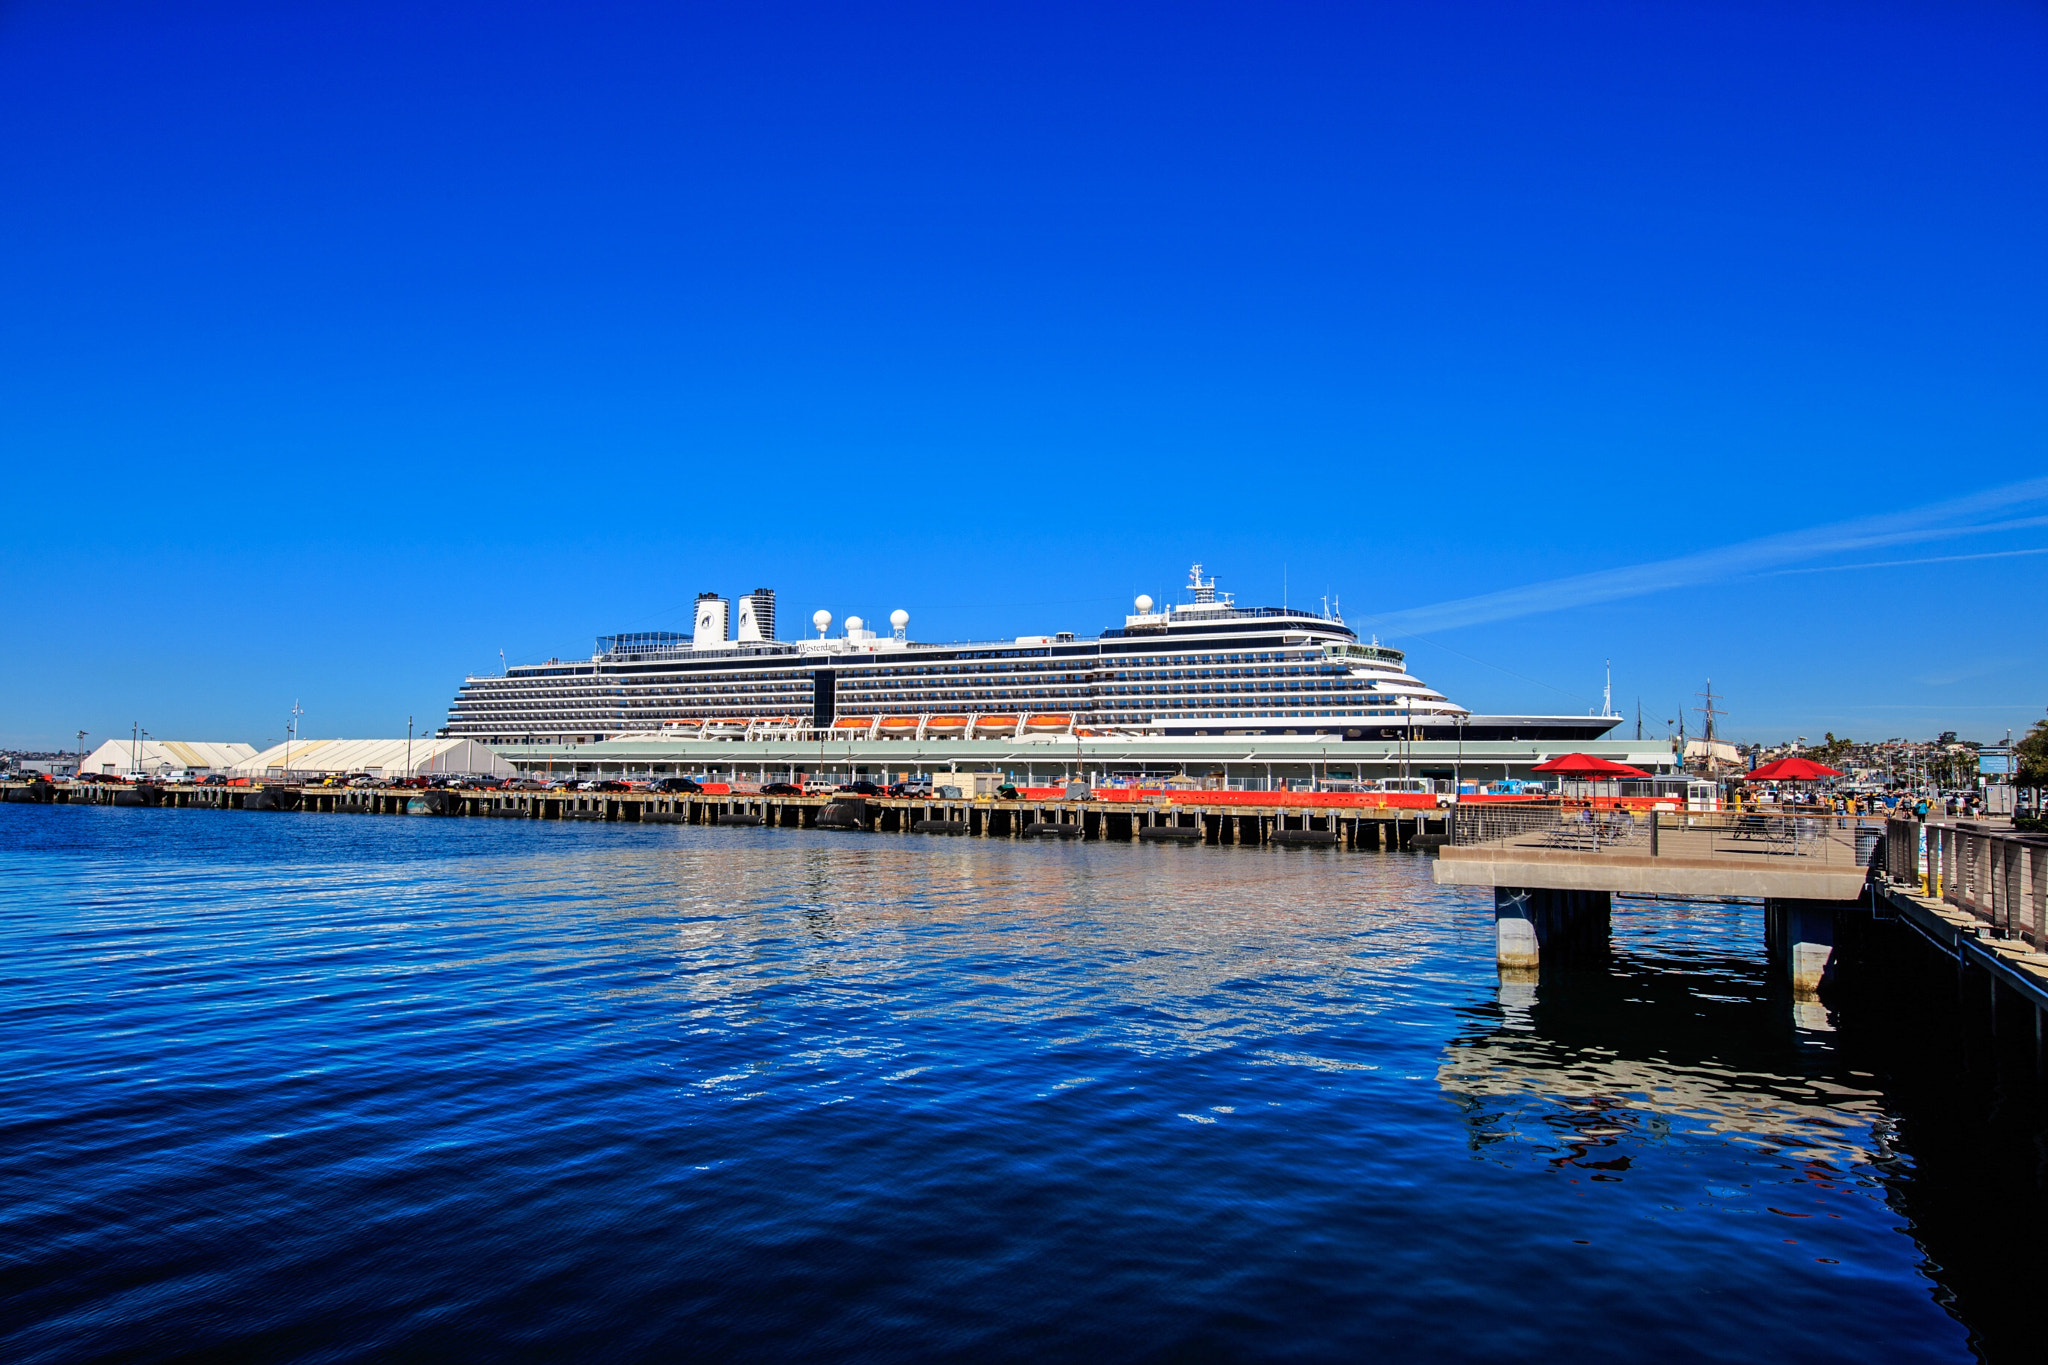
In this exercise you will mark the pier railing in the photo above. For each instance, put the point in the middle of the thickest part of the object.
(1994, 873)
(1814, 838)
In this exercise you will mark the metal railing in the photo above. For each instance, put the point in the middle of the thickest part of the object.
(1994, 873)
(1760, 837)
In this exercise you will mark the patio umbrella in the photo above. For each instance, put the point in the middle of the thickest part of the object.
(1790, 770)
(1585, 765)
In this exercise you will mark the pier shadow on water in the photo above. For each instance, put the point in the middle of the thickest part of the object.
(1907, 1077)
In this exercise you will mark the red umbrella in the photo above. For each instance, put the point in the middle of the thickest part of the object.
(1791, 769)
(1585, 765)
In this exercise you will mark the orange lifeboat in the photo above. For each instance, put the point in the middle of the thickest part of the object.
(854, 723)
(899, 727)
(1048, 722)
(945, 725)
(996, 723)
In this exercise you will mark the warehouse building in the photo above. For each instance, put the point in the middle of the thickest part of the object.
(161, 757)
(304, 759)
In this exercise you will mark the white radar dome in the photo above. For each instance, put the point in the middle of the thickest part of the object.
(854, 623)
(899, 618)
(822, 619)
(1144, 604)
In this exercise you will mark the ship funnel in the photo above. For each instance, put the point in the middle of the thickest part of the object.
(757, 616)
(711, 622)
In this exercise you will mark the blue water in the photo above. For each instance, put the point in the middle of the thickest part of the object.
(325, 1087)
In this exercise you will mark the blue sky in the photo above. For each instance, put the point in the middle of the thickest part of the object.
(342, 346)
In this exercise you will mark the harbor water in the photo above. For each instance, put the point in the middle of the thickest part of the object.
(330, 1088)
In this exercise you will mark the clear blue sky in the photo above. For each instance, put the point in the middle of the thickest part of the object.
(342, 346)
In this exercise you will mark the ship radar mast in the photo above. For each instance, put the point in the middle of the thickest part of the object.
(1204, 590)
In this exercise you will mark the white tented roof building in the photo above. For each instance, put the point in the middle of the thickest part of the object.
(388, 758)
(156, 757)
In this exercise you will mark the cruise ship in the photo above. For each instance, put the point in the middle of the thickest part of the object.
(1202, 667)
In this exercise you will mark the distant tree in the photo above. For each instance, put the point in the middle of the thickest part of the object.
(1830, 750)
(2032, 753)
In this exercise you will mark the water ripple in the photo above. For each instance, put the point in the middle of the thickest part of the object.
(326, 1088)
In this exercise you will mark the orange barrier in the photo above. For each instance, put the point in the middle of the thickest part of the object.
(1309, 800)
(1302, 800)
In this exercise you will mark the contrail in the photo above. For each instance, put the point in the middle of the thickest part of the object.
(1931, 559)
(1936, 521)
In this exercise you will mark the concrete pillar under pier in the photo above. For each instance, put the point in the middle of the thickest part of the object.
(1800, 941)
(1532, 922)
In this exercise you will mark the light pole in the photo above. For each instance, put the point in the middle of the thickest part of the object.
(408, 746)
(134, 749)
(78, 768)
(291, 730)
(1458, 768)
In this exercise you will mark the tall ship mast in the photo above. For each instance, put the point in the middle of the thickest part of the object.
(1201, 667)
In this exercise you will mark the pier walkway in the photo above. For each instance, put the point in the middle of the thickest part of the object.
(1978, 892)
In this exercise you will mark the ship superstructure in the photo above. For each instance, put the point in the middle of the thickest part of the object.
(1202, 667)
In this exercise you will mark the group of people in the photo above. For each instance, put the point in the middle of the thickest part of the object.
(1967, 805)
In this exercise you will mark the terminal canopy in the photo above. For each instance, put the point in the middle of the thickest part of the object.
(1585, 765)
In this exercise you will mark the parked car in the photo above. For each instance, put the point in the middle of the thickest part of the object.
(674, 784)
(910, 789)
(564, 784)
(861, 788)
(782, 789)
